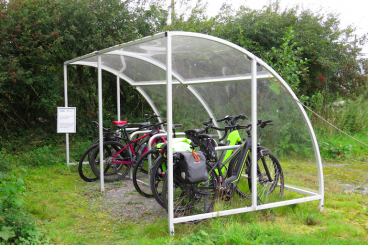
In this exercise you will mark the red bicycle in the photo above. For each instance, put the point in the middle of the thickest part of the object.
(120, 151)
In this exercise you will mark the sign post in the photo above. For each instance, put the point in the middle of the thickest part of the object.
(66, 120)
(66, 123)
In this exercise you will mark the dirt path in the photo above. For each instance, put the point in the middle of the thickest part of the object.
(123, 202)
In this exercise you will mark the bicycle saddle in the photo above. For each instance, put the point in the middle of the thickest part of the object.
(144, 124)
(194, 131)
(203, 136)
(120, 124)
(174, 126)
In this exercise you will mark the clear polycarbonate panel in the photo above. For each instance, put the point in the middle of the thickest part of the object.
(187, 110)
(289, 138)
(136, 69)
(92, 61)
(115, 62)
(152, 48)
(198, 58)
(155, 50)
(227, 98)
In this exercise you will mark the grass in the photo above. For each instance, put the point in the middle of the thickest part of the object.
(71, 211)
(74, 212)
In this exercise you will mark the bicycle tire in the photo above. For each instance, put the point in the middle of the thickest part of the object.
(95, 142)
(140, 173)
(113, 171)
(85, 170)
(265, 188)
(156, 141)
(191, 199)
(157, 174)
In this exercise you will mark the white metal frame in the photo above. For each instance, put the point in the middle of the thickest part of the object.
(311, 196)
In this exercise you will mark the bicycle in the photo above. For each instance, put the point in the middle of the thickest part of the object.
(159, 167)
(141, 169)
(85, 170)
(207, 145)
(192, 199)
(118, 158)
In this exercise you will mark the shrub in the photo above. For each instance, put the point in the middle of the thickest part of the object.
(16, 225)
(42, 156)
(4, 162)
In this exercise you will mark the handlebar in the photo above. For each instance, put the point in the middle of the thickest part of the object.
(150, 116)
(262, 124)
(236, 118)
(208, 123)
(97, 125)
(265, 123)
(158, 124)
(227, 118)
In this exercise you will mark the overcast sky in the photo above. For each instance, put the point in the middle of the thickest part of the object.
(352, 12)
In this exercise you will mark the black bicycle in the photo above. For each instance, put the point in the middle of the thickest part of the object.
(120, 151)
(191, 199)
(141, 169)
(159, 167)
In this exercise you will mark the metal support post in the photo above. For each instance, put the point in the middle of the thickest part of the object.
(254, 135)
(66, 105)
(169, 133)
(100, 123)
(118, 96)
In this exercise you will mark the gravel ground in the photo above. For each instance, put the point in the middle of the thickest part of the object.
(123, 202)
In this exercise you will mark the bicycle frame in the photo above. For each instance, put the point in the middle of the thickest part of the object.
(132, 148)
(242, 154)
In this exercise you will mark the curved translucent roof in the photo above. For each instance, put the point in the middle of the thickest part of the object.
(212, 78)
(194, 59)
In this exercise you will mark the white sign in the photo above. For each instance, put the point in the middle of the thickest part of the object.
(66, 119)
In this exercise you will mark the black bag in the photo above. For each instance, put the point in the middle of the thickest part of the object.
(193, 167)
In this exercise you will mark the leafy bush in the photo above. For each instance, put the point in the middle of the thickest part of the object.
(10, 188)
(78, 149)
(335, 64)
(19, 227)
(4, 162)
(336, 150)
(287, 61)
(42, 156)
(16, 225)
(38, 36)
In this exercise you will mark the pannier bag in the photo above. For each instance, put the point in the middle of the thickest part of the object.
(193, 167)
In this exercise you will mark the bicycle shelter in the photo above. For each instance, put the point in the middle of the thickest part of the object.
(188, 78)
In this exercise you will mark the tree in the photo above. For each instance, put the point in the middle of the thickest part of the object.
(288, 63)
(38, 36)
(335, 66)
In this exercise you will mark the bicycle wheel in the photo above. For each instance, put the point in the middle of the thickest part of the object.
(140, 173)
(84, 167)
(191, 199)
(143, 167)
(157, 174)
(110, 136)
(270, 178)
(116, 161)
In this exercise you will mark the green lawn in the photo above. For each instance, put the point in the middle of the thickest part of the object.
(74, 212)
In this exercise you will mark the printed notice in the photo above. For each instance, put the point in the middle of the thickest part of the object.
(66, 119)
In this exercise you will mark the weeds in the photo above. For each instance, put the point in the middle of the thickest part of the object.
(17, 226)
(69, 211)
